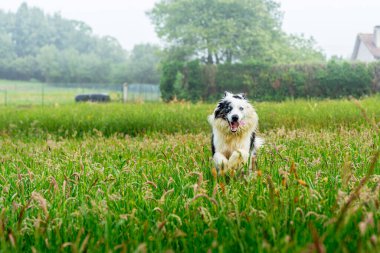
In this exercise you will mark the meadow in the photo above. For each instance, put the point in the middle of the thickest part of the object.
(139, 178)
(26, 93)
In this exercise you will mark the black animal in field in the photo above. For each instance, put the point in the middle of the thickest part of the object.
(92, 98)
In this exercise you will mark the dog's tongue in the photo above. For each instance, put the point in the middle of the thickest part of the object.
(234, 126)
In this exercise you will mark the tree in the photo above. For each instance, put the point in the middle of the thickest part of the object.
(299, 49)
(6, 48)
(30, 31)
(218, 30)
(226, 31)
(49, 48)
(47, 60)
(142, 66)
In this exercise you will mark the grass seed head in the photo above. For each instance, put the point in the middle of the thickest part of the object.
(41, 201)
(303, 183)
(214, 173)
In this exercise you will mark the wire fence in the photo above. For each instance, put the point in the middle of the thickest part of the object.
(35, 93)
(143, 92)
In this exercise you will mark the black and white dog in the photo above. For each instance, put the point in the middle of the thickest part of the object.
(234, 124)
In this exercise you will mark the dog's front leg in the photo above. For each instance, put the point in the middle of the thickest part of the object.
(238, 159)
(220, 161)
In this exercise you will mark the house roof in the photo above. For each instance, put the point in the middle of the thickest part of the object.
(368, 40)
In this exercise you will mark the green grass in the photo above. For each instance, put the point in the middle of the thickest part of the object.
(37, 93)
(138, 119)
(143, 181)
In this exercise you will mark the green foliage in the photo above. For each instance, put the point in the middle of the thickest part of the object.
(237, 77)
(193, 82)
(169, 78)
(278, 82)
(375, 69)
(178, 89)
(344, 79)
(6, 48)
(186, 82)
(49, 48)
(142, 64)
(300, 49)
(218, 31)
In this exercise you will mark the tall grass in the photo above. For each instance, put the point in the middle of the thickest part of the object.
(158, 193)
(139, 119)
(139, 184)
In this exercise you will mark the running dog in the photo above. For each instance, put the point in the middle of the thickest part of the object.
(234, 124)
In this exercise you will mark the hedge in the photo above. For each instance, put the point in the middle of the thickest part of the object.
(195, 81)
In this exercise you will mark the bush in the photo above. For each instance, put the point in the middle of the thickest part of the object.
(193, 81)
(375, 69)
(183, 81)
(344, 79)
(168, 79)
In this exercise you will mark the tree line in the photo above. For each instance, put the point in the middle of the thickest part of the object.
(50, 48)
(239, 45)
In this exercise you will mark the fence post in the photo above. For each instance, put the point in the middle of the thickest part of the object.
(125, 92)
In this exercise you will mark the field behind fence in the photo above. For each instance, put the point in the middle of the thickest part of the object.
(37, 93)
(143, 92)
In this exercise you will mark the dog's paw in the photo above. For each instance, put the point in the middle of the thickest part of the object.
(238, 159)
(220, 161)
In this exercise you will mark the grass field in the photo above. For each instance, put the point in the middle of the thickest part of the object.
(37, 93)
(139, 178)
(27, 93)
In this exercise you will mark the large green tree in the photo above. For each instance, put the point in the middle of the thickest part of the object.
(217, 31)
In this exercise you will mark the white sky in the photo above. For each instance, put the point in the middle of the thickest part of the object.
(333, 23)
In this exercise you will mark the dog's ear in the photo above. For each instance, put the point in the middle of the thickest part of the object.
(243, 95)
(227, 93)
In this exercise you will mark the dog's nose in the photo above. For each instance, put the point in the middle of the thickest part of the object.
(235, 118)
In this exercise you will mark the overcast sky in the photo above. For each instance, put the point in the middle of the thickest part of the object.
(333, 23)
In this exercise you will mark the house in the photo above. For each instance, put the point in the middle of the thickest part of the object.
(367, 46)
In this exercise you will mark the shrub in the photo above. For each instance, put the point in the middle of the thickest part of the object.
(168, 79)
(265, 82)
(375, 69)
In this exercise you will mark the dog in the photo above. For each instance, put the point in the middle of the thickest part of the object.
(234, 124)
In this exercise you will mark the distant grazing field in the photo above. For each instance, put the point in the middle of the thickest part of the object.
(139, 178)
(36, 93)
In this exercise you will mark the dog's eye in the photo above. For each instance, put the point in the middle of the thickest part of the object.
(241, 108)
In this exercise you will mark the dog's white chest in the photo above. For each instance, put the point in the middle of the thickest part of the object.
(228, 144)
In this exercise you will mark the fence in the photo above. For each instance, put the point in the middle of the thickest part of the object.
(36, 93)
(142, 92)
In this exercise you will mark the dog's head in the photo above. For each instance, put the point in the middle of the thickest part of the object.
(234, 114)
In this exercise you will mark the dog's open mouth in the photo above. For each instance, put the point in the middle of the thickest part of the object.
(234, 126)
